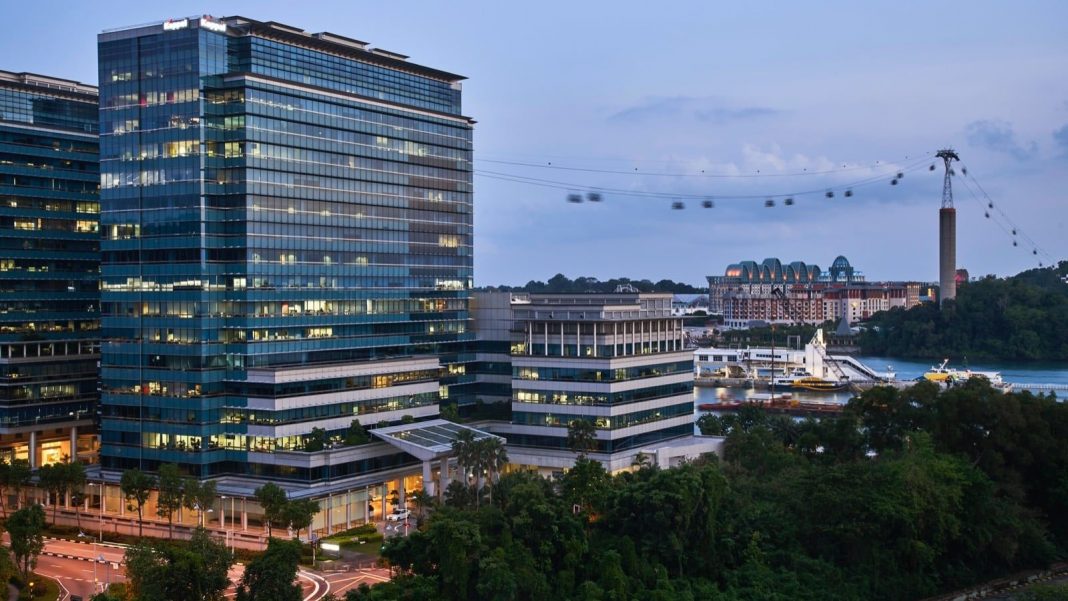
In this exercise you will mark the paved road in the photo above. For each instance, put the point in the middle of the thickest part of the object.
(76, 577)
(72, 565)
(78, 567)
(342, 582)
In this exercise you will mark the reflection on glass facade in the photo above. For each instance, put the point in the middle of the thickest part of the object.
(49, 261)
(272, 202)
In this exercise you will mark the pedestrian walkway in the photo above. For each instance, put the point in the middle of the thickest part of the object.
(253, 538)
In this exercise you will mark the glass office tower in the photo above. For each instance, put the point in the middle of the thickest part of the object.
(287, 224)
(49, 268)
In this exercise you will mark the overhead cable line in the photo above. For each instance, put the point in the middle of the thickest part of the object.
(994, 212)
(572, 186)
(703, 173)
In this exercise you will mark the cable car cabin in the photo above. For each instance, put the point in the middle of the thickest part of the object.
(829, 194)
(769, 203)
(708, 204)
(574, 198)
(788, 202)
(677, 206)
(594, 197)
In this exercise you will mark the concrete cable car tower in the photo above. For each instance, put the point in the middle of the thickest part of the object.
(947, 233)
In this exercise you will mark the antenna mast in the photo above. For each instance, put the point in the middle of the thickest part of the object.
(948, 155)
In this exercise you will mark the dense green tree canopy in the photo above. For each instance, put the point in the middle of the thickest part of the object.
(26, 530)
(273, 500)
(561, 284)
(1021, 318)
(164, 570)
(272, 575)
(907, 494)
(171, 495)
(136, 487)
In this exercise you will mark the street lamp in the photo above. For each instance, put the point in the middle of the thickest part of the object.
(100, 558)
(230, 530)
(96, 578)
(101, 526)
(200, 514)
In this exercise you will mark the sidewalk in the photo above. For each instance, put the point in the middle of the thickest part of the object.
(254, 538)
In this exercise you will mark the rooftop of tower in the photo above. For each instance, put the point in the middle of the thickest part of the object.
(322, 41)
(45, 83)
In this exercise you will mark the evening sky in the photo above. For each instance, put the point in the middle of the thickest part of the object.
(621, 93)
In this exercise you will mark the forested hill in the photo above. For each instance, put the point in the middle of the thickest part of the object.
(906, 494)
(1020, 318)
(561, 284)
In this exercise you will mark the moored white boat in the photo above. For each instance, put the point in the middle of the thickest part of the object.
(942, 374)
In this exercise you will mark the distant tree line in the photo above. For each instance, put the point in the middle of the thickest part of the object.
(906, 494)
(1020, 318)
(561, 284)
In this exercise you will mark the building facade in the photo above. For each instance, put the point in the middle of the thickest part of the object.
(616, 360)
(49, 268)
(287, 227)
(744, 293)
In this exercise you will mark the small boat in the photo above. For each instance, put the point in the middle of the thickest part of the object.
(819, 384)
(800, 379)
(941, 374)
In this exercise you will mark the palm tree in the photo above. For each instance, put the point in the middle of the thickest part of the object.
(478, 467)
(493, 458)
(581, 436)
(641, 461)
(422, 502)
(465, 451)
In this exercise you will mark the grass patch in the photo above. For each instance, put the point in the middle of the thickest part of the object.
(358, 531)
(359, 539)
(373, 549)
(365, 539)
(43, 589)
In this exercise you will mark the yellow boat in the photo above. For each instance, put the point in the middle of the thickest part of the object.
(945, 375)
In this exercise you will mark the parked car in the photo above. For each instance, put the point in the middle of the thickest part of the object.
(399, 515)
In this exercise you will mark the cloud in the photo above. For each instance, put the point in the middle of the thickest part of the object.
(1061, 137)
(999, 136)
(705, 110)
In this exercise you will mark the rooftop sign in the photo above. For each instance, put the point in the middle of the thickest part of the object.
(208, 22)
(174, 25)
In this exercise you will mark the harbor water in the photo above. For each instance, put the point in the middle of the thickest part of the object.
(1021, 375)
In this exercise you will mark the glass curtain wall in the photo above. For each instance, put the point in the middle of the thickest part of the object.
(269, 204)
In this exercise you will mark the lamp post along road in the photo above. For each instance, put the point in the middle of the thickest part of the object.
(229, 530)
(107, 583)
(101, 520)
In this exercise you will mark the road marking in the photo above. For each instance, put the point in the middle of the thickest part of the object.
(315, 579)
(63, 593)
(305, 575)
(351, 583)
(354, 581)
(377, 577)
